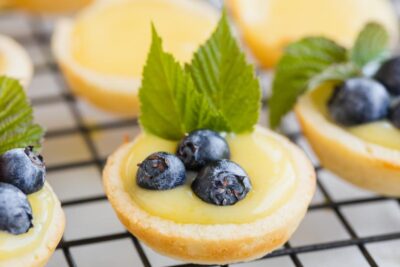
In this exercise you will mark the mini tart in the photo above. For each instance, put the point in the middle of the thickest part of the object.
(362, 163)
(112, 83)
(15, 61)
(267, 26)
(213, 243)
(41, 253)
(49, 6)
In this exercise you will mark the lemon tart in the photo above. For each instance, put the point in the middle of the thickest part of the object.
(202, 182)
(348, 111)
(49, 6)
(103, 49)
(367, 155)
(286, 21)
(15, 61)
(31, 219)
(179, 225)
(34, 248)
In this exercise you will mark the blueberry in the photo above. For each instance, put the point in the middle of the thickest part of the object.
(358, 101)
(201, 147)
(394, 115)
(15, 210)
(389, 75)
(161, 171)
(222, 183)
(23, 168)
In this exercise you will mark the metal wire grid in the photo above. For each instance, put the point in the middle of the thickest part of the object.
(40, 37)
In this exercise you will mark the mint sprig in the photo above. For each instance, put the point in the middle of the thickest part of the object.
(313, 61)
(17, 128)
(217, 91)
(301, 62)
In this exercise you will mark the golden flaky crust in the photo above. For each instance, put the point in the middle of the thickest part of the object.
(364, 164)
(218, 243)
(40, 256)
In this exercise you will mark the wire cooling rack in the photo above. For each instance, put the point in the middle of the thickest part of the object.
(345, 226)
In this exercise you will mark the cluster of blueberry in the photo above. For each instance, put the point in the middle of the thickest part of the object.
(363, 100)
(22, 172)
(219, 181)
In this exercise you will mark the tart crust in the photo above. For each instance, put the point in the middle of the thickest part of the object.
(40, 256)
(114, 93)
(216, 243)
(361, 163)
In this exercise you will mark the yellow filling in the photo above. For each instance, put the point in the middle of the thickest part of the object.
(266, 161)
(380, 132)
(12, 246)
(115, 40)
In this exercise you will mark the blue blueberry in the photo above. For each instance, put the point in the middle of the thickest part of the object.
(161, 171)
(23, 168)
(15, 210)
(394, 115)
(221, 183)
(358, 101)
(389, 75)
(201, 147)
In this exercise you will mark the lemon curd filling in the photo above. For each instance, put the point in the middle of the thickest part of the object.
(268, 164)
(380, 132)
(115, 40)
(12, 246)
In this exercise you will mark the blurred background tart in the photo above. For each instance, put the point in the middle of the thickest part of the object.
(15, 61)
(45, 7)
(267, 26)
(367, 155)
(103, 49)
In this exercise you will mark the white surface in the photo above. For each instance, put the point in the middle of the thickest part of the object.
(274, 262)
(343, 257)
(76, 183)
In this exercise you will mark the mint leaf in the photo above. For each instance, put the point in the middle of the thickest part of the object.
(372, 44)
(302, 61)
(334, 73)
(17, 129)
(170, 105)
(220, 72)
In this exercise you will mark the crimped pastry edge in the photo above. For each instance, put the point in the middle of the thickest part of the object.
(40, 256)
(219, 243)
(367, 165)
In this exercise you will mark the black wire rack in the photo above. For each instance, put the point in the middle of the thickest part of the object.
(38, 34)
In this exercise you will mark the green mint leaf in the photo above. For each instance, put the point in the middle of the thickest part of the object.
(335, 73)
(220, 72)
(302, 61)
(372, 44)
(17, 128)
(170, 105)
